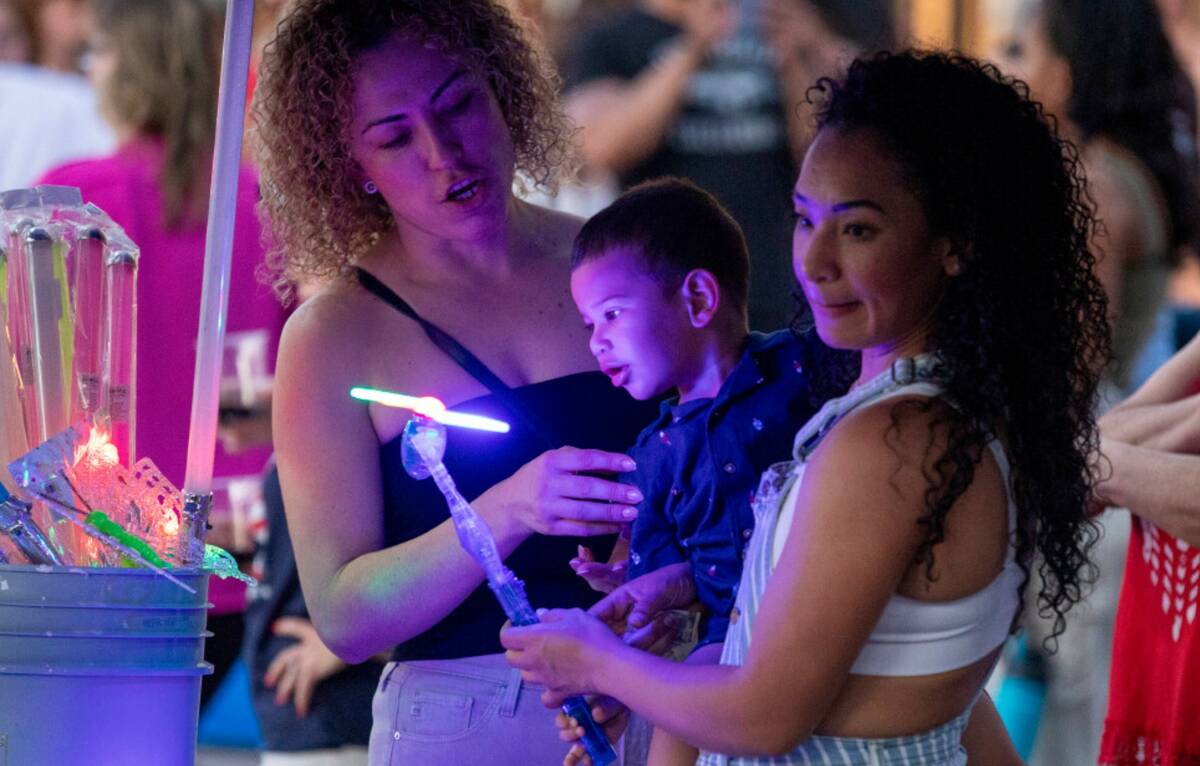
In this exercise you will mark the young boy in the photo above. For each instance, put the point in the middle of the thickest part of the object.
(660, 277)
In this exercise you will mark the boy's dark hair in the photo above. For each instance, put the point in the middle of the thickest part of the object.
(677, 227)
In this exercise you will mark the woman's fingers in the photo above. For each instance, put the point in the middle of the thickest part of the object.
(584, 487)
(569, 528)
(573, 459)
(611, 514)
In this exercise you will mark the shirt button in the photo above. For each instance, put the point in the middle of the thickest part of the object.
(675, 491)
(712, 571)
(730, 468)
(396, 736)
(746, 533)
(760, 381)
(758, 424)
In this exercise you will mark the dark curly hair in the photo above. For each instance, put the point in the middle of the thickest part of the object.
(1127, 86)
(1022, 330)
(318, 220)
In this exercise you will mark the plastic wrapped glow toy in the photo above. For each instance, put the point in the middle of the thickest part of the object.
(119, 360)
(44, 272)
(18, 524)
(423, 444)
(87, 288)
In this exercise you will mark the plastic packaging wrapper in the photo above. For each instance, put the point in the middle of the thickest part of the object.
(68, 317)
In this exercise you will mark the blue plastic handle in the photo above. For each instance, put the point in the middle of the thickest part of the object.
(511, 595)
(594, 741)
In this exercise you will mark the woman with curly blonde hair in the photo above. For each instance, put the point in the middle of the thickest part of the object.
(389, 135)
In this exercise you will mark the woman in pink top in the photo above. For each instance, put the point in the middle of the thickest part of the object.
(155, 65)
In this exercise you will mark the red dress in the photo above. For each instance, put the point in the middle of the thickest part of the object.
(1154, 693)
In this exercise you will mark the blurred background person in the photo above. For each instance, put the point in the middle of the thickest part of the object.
(155, 64)
(59, 32)
(16, 43)
(1105, 69)
(49, 116)
(1181, 19)
(708, 90)
(1152, 444)
(312, 708)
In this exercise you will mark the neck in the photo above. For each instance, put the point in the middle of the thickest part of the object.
(879, 358)
(713, 364)
(492, 255)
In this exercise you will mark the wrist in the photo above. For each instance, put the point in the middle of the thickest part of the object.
(504, 519)
(606, 670)
(693, 50)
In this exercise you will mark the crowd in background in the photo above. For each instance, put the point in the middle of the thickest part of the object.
(118, 97)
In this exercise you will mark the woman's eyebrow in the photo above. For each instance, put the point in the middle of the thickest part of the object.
(438, 91)
(800, 199)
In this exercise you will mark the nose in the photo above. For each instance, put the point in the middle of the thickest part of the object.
(814, 254)
(598, 342)
(443, 146)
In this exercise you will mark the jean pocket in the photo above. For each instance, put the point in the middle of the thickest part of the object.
(435, 706)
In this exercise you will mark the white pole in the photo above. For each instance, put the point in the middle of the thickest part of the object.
(218, 252)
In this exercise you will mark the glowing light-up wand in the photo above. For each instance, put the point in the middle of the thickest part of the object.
(422, 448)
(430, 407)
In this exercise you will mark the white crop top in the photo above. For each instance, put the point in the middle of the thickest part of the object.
(916, 638)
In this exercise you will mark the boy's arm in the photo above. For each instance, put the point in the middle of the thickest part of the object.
(654, 538)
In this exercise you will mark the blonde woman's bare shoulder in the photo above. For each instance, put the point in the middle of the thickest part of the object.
(329, 321)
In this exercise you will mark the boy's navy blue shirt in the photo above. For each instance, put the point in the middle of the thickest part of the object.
(699, 464)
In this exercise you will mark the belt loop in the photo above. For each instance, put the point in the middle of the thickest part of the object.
(512, 690)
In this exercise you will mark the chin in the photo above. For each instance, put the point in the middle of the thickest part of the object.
(830, 337)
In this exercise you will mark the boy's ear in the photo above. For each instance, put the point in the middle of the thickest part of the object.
(701, 295)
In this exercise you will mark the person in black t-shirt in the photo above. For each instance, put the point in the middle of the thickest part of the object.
(706, 90)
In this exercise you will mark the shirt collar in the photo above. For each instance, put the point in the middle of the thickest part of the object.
(752, 370)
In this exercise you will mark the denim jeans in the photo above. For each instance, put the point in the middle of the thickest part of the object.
(468, 710)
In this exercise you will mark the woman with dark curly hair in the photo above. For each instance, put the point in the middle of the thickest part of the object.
(389, 136)
(942, 244)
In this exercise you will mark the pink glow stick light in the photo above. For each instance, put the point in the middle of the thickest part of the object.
(430, 407)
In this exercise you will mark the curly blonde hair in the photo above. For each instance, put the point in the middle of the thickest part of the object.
(317, 218)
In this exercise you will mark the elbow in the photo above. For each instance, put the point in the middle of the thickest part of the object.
(349, 640)
(778, 741)
(770, 735)
(347, 645)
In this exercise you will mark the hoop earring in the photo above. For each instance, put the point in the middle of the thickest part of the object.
(370, 188)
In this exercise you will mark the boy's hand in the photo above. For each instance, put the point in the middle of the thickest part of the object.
(637, 602)
(610, 714)
(603, 577)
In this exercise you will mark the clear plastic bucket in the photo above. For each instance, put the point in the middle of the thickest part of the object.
(100, 666)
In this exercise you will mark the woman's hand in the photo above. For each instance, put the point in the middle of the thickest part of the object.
(612, 716)
(563, 652)
(559, 493)
(298, 669)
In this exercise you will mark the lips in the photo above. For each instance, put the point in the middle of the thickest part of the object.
(619, 375)
(463, 191)
(835, 309)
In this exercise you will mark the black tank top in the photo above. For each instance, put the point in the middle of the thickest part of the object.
(584, 411)
(580, 410)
